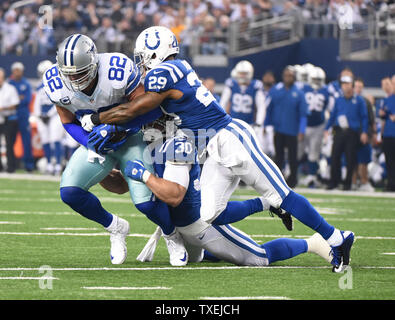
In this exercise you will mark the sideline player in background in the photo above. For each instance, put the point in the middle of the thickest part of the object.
(49, 126)
(25, 95)
(233, 152)
(318, 101)
(243, 98)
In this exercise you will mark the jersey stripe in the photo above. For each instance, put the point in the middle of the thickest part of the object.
(133, 82)
(178, 71)
(171, 71)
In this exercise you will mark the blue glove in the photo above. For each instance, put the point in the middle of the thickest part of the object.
(100, 139)
(135, 170)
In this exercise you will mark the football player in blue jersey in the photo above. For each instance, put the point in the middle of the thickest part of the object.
(231, 144)
(243, 97)
(83, 82)
(318, 100)
(175, 180)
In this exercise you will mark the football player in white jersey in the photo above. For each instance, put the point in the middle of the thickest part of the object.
(48, 124)
(232, 149)
(84, 82)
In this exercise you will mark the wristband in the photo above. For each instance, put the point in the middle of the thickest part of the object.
(146, 176)
(95, 118)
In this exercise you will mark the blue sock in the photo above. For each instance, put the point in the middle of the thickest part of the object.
(158, 213)
(284, 248)
(313, 168)
(47, 152)
(58, 152)
(210, 257)
(238, 210)
(86, 204)
(299, 207)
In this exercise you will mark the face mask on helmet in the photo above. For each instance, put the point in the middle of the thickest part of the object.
(161, 128)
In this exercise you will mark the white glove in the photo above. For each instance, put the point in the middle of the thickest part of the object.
(86, 123)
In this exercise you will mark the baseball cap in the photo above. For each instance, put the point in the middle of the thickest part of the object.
(346, 79)
(17, 65)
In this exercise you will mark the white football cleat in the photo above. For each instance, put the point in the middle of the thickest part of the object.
(175, 246)
(119, 229)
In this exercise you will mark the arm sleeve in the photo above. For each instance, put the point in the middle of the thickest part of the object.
(332, 117)
(364, 115)
(303, 125)
(177, 173)
(77, 132)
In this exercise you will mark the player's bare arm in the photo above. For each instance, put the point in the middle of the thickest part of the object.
(65, 115)
(169, 192)
(138, 106)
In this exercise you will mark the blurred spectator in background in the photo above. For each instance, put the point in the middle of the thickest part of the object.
(349, 119)
(9, 100)
(106, 37)
(25, 95)
(11, 34)
(287, 112)
(364, 155)
(387, 114)
(210, 83)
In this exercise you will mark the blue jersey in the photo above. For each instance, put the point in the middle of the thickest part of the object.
(317, 102)
(25, 90)
(286, 109)
(389, 107)
(349, 113)
(180, 150)
(242, 100)
(197, 110)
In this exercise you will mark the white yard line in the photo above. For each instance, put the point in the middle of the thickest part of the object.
(70, 229)
(389, 253)
(28, 278)
(11, 222)
(127, 288)
(189, 268)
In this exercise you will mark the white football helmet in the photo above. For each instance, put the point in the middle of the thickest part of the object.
(308, 67)
(243, 72)
(300, 72)
(42, 67)
(317, 78)
(154, 45)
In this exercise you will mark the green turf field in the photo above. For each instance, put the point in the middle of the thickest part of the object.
(37, 229)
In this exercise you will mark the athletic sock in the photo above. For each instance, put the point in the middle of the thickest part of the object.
(238, 210)
(299, 207)
(86, 204)
(284, 248)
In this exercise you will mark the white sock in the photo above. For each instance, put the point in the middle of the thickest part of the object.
(317, 244)
(113, 225)
(336, 239)
(265, 203)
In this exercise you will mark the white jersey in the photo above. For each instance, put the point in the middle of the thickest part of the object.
(42, 105)
(118, 76)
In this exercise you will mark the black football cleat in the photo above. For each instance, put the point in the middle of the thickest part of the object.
(285, 217)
